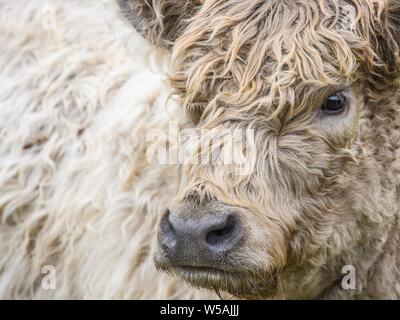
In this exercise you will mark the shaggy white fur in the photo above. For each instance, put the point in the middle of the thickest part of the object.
(74, 194)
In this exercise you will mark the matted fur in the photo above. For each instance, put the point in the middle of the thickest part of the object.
(74, 114)
(76, 191)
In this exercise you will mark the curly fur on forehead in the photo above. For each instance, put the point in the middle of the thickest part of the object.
(259, 54)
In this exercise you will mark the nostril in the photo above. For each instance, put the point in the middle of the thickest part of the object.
(222, 233)
(167, 234)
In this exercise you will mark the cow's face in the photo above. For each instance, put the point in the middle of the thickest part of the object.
(303, 86)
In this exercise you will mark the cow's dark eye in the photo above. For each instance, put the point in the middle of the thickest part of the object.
(334, 104)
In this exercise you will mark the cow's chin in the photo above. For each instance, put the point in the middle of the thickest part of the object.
(239, 284)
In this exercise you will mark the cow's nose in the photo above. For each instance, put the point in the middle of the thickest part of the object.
(198, 240)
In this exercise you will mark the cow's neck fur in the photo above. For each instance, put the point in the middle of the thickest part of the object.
(378, 268)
